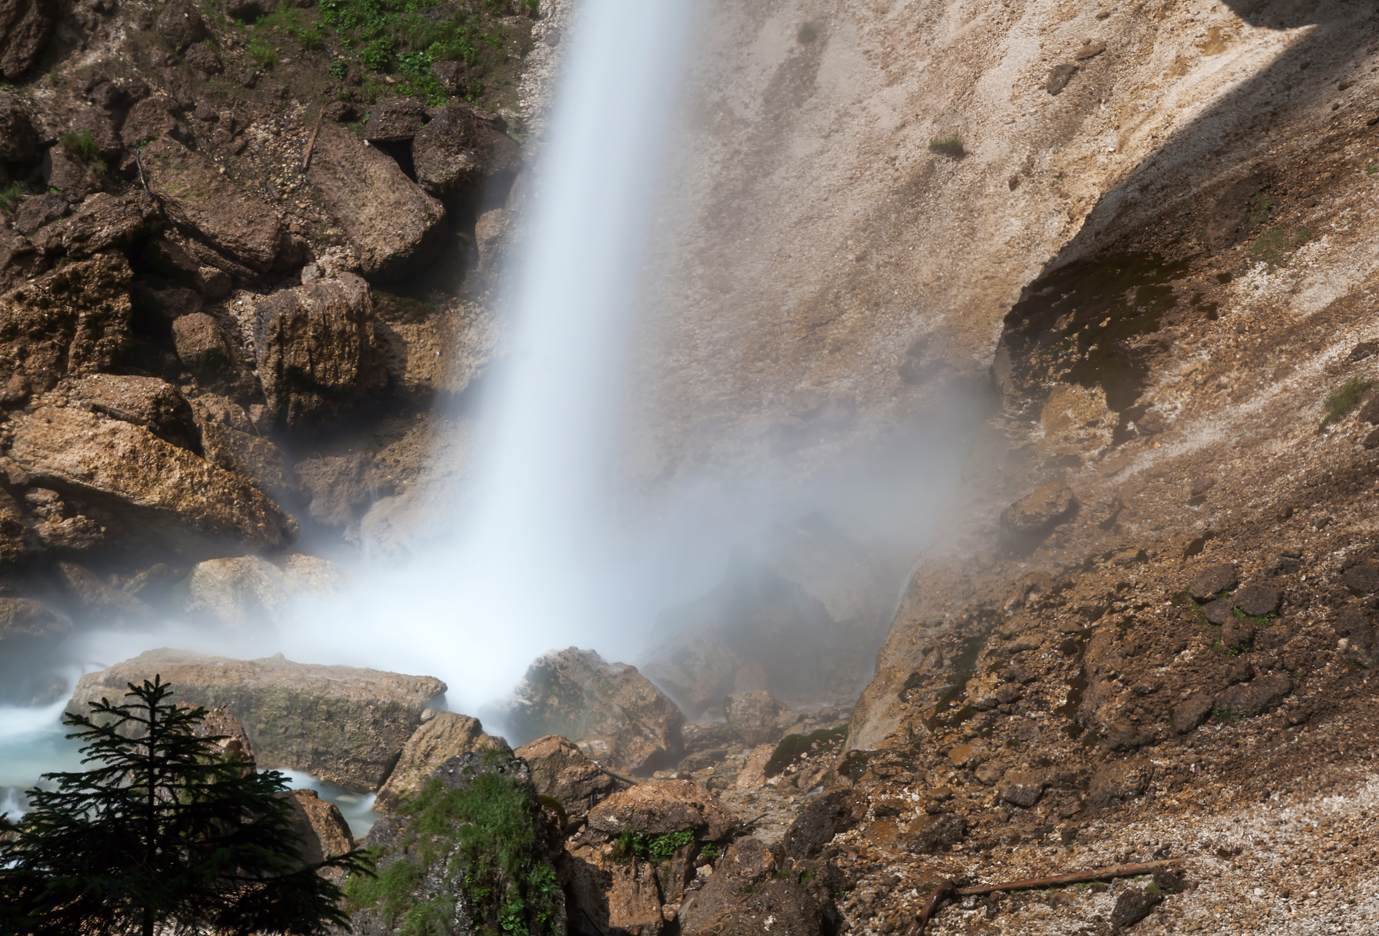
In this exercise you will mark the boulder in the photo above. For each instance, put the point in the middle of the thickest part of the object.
(181, 24)
(106, 221)
(661, 807)
(147, 120)
(461, 157)
(71, 321)
(94, 598)
(1191, 712)
(1022, 788)
(577, 694)
(1119, 781)
(316, 354)
(337, 723)
(1258, 600)
(445, 735)
(829, 815)
(38, 211)
(756, 717)
(154, 404)
(249, 10)
(705, 736)
(25, 26)
(247, 591)
(392, 225)
(395, 120)
(561, 771)
(321, 829)
(1255, 697)
(157, 491)
(1212, 581)
(18, 139)
(1036, 515)
(203, 204)
(71, 177)
(16, 546)
(233, 743)
(742, 897)
(251, 455)
(27, 627)
(204, 347)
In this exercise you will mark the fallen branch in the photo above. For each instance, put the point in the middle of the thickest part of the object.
(311, 143)
(618, 776)
(948, 890)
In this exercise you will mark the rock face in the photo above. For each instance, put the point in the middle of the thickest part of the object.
(26, 626)
(754, 716)
(445, 735)
(18, 139)
(245, 592)
(203, 204)
(166, 493)
(1034, 516)
(25, 26)
(337, 723)
(316, 350)
(461, 157)
(321, 829)
(148, 402)
(575, 693)
(741, 897)
(393, 225)
(561, 771)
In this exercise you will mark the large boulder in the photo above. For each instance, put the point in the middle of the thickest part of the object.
(154, 404)
(462, 154)
(248, 591)
(27, 626)
(18, 139)
(204, 347)
(16, 545)
(160, 493)
(392, 225)
(756, 717)
(106, 221)
(204, 204)
(25, 26)
(321, 829)
(446, 735)
(395, 120)
(251, 455)
(561, 771)
(71, 321)
(577, 694)
(181, 24)
(337, 723)
(661, 807)
(315, 346)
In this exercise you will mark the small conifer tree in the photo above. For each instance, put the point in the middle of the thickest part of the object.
(162, 837)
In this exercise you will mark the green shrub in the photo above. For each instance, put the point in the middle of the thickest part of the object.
(656, 849)
(1343, 399)
(263, 53)
(82, 146)
(950, 145)
(338, 69)
(10, 197)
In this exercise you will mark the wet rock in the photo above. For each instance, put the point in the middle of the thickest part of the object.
(1257, 600)
(72, 321)
(249, 591)
(392, 225)
(18, 139)
(1119, 781)
(929, 835)
(341, 487)
(316, 350)
(561, 771)
(322, 831)
(204, 347)
(26, 627)
(1362, 579)
(446, 735)
(154, 404)
(1132, 907)
(829, 815)
(1212, 581)
(662, 807)
(181, 24)
(463, 159)
(337, 723)
(1237, 634)
(1022, 788)
(575, 693)
(755, 717)
(106, 221)
(1256, 697)
(203, 203)
(158, 492)
(395, 120)
(1035, 516)
(25, 26)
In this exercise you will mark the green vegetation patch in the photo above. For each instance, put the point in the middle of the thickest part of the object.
(485, 835)
(950, 145)
(793, 747)
(656, 849)
(10, 197)
(1274, 246)
(82, 146)
(1343, 399)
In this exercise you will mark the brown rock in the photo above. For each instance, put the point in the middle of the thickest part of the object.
(661, 807)
(322, 831)
(16, 546)
(149, 119)
(1237, 634)
(96, 598)
(248, 591)
(446, 735)
(156, 490)
(1211, 581)
(461, 156)
(104, 221)
(181, 24)
(1191, 712)
(25, 26)
(316, 351)
(574, 693)
(1362, 579)
(37, 211)
(1035, 515)
(341, 487)
(1022, 788)
(203, 203)
(392, 225)
(395, 120)
(253, 456)
(203, 346)
(204, 59)
(1257, 600)
(634, 900)
(18, 139)
(752, 776)
(1256, 697)
(823, 818)
(71, 321)
(73, 178)
(154, 404)
(337, 723)
(1118, 782)
(755, 716)
(233, 743)
(561, 771)
(929, 835)
(704, 736)
(26, 625)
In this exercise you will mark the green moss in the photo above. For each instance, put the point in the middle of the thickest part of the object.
(792, 747)
(10, 197)
(486, 836)
(1342, 400)
(950, 145)
(656, 849)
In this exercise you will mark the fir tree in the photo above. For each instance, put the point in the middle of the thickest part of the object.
(164, 836)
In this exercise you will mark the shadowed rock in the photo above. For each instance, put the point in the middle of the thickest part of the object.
(445, 735)
(561, 771)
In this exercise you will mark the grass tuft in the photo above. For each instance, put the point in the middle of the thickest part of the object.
(262, 53)
(1342, 400)
(10, 197)
(950, 145)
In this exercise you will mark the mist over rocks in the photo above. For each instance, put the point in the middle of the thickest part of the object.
(338, 723)
(249, 593)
